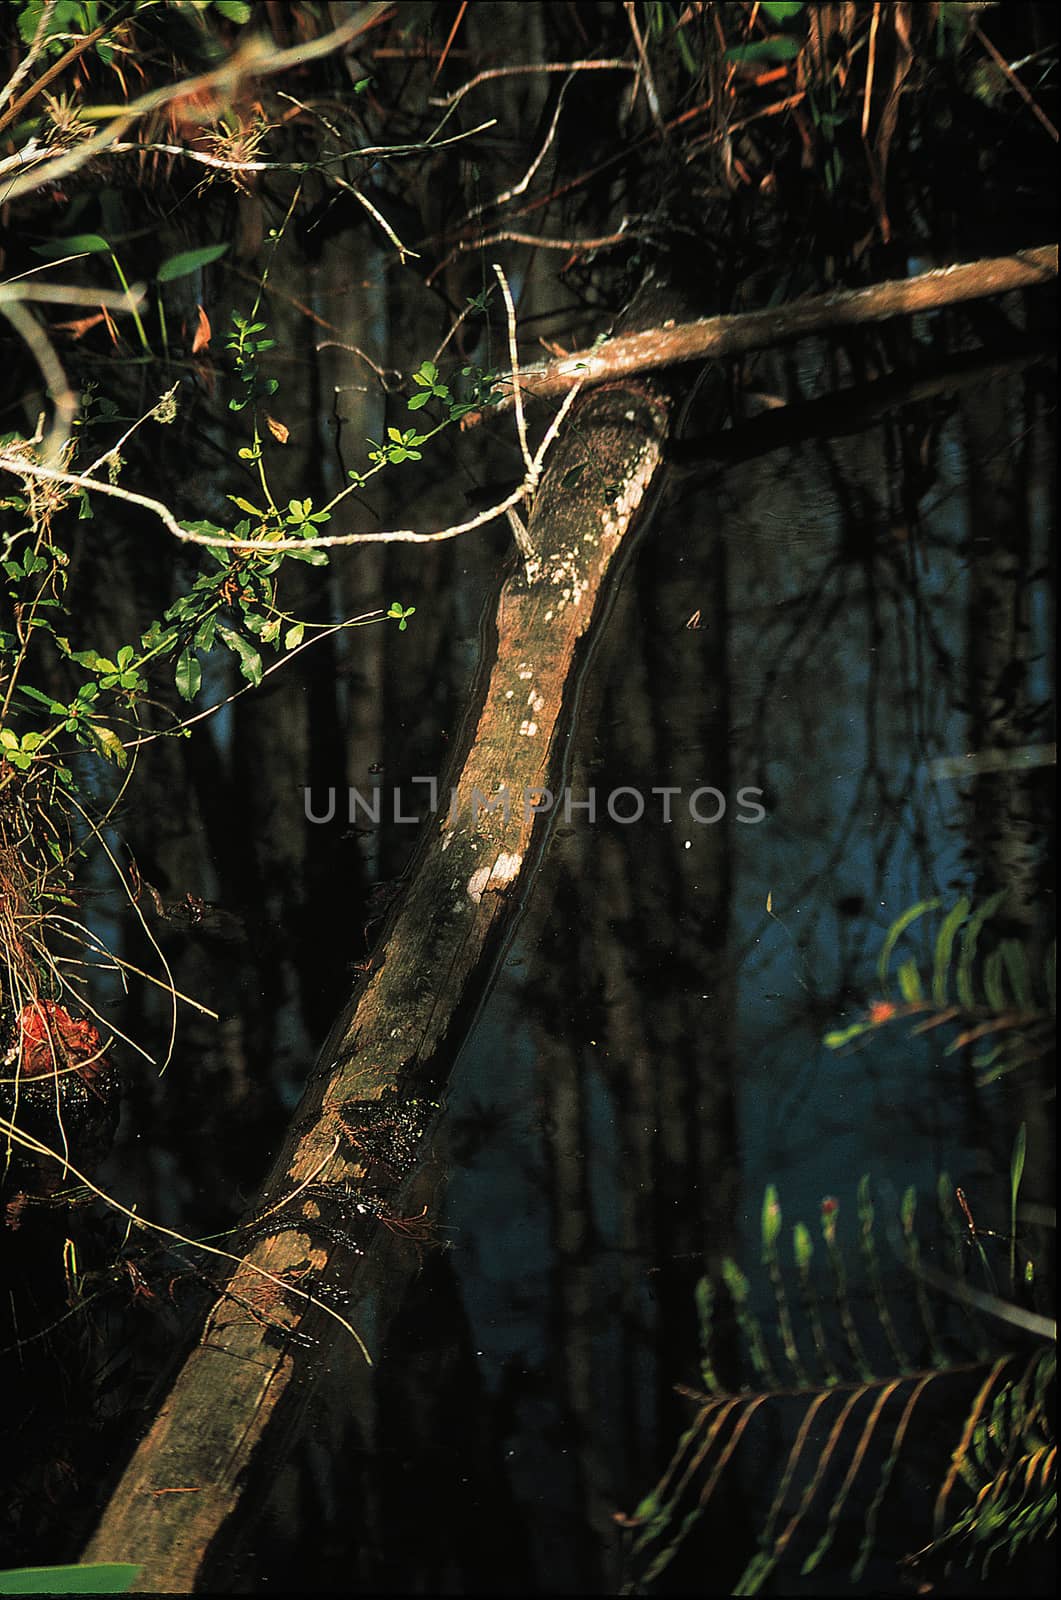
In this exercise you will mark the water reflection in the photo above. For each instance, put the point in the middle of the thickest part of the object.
(652, 1055)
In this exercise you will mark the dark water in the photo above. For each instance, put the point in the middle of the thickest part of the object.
(652, 1055)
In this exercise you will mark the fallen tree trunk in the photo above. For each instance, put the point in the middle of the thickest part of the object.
(330, 1211)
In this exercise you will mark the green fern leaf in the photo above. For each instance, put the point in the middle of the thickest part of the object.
(944, 949)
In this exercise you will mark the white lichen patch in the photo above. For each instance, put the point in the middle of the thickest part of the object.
(616, 518)
(528, 729)
(567, 577)
(504, 870)
(524, 672)
(535, 700)
(448, 838)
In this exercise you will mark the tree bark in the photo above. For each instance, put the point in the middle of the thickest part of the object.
(357, 1135)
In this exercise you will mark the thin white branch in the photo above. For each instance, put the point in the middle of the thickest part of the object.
(381, 221)
(646, 71)
(63, 294)
(58, 390)
(30, 469)
(513, 356)
(115, 450)
(521, 187)
(530, 67)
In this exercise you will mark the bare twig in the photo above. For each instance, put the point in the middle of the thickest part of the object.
(58, 390)
(404, 253)
(491, 73)
(521, 187)
(458, 19)
(645, 73)
(537, 242)
(1004, 67)
(513, 356)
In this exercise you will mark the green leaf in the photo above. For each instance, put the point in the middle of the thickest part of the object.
(944, 946)
(910, 983)
(204, 633)
(186, 262)
(895, 933)
(1016, 1174)
(771, 1218)
(250, 662)
(419, 400)
(54, 706)
(1016, 969)
(94, 1577)
(970, 936)
(75, 244)
(841, 1036)
(237, 11)
(109, 744)
(993, 989)
(779, 48)
(781, 10)
(189, 675)
(293, 636)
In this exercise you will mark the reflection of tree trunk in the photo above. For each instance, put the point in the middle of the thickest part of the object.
(356, 1137)
(1008, 805)
(1005, 829)
(641, 1074)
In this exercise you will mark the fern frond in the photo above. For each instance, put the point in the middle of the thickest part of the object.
(1008, 1466)
(995, 998)
(848, 1429)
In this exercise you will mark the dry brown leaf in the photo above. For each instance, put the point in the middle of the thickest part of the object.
(202, 332)
(80, 325)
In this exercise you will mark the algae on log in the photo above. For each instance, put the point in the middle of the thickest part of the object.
(358, 1132)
